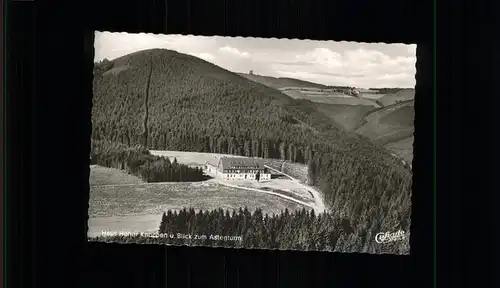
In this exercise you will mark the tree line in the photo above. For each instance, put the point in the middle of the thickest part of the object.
(386, 90)
(298, 230)
(139, 162)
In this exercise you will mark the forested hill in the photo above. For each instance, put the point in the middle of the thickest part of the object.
(191, 102)
(166, 100)
(189, 95)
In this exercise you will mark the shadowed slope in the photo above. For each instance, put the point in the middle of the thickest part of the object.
(394, 97)
(389, 124)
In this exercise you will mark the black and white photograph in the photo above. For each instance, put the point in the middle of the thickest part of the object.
(252, 143)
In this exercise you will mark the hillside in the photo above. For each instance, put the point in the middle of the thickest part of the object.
(391, 126)
(349, 117)
(329, 97)
(345, 110)
(397, 95)
(164, 100)
(319, 93)
(191, 95)
(392, 130)
(281, 82)
(403, 148)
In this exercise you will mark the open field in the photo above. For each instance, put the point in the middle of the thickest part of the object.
(154, 198)
(131, 223)
(404, 116)
(329, 98)
(390, 124)
(382, 111)
(107, 176)
(401, 95)
(403, 148)
(371, 96)
(116, 207)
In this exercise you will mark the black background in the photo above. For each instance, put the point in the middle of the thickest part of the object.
(48, 94)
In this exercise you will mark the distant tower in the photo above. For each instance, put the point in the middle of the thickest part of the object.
(250, 72)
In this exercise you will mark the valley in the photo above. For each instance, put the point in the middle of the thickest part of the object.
(385, 118)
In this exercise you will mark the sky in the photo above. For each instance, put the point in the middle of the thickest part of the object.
(362, 65)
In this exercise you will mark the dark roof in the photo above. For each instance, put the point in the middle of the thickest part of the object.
(241, 163)
(213, 162)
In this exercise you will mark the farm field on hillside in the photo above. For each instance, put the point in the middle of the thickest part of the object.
(330, 98)
(389, 124)
(403, 148)
(404, 116)
(382, 111)
(385, 134)
(371, 96)
(402, 95)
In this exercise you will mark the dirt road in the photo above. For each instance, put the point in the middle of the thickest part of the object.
(319, 204)
(312, 206)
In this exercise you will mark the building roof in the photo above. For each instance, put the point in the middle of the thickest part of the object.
(214, 161)
(241, 163)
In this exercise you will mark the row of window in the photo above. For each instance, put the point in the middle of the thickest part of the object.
(242, 171)
(247, 176)
(250, 176)
(245, 167)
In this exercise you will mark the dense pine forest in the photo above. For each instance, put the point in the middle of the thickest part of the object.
(139, 162)
(164, 100)
(300, 230)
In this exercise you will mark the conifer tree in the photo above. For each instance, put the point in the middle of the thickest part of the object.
(163, 224)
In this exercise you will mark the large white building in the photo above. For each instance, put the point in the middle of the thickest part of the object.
(232, 168)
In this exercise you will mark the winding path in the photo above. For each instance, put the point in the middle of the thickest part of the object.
(310, 205)
(319, 204)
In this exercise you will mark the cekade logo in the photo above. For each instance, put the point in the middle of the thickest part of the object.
(388, 237)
